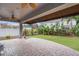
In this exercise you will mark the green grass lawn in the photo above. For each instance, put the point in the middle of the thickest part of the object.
(72, 42)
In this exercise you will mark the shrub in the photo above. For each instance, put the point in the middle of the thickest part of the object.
(76, 30)
(25, 32)
(8, 37)
(43, 29)
(35, 31)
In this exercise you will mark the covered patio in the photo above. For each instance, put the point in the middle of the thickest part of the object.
(30, 13)
(33, 13)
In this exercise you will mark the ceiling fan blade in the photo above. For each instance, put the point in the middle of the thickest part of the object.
(12, 16)
(33, 5)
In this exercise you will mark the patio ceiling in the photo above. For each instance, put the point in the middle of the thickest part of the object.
(36, 12)
(20, 12)
(16, 11)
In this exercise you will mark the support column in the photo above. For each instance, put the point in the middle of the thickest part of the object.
(21, 28)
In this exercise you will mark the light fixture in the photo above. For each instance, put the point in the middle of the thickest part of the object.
(24, 5)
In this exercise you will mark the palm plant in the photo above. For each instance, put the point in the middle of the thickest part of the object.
(43, 29)
(76, 30)
(57, 28)
(76, 18)
(52, 31)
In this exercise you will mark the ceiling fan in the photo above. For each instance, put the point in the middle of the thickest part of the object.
(12, 16)
(23, 5)
(33, 5)
(9, 18)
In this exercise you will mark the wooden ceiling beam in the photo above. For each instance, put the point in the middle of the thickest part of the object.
(73, 10)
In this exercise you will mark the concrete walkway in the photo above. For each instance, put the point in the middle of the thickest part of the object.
(35, 47)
